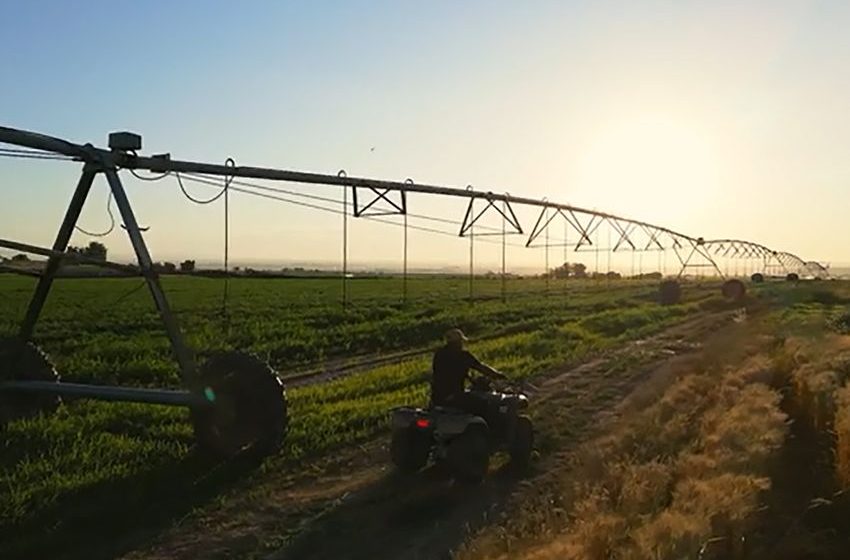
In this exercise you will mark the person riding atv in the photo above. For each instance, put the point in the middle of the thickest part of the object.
(451, 367)
(461, 428)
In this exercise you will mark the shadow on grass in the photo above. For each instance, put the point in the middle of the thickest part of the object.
(112, 518)
(810, 520)
(402, 516)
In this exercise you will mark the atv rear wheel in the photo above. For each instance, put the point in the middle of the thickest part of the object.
(24, 361)
(409, 449)
(523, 442)
(468, 455)
(247, 405)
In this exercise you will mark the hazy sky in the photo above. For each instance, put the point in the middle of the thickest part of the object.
(718, 119)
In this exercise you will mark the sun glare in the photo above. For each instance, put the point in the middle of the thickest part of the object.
(642, 163)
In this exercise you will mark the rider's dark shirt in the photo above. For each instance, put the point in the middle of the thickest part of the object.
(451, 367)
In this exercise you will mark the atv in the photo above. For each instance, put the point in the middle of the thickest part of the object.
(462, 441)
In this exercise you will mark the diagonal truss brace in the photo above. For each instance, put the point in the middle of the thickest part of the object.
(652, 236)
(624, 234)
(396, 207)
(540, 225)
(549, 213)
(470, 218)
(105, 165)
(697, 248)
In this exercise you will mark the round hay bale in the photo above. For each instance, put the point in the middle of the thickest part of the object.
(792, 277)
(757, 278)
(733, 289)
(669, 292)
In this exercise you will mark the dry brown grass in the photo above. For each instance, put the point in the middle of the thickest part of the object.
(842, 437)
(818, 371)
(685, 469)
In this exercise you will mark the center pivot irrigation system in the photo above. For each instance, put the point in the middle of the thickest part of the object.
(237, 400)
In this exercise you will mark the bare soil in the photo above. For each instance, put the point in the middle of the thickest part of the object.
(353, 505)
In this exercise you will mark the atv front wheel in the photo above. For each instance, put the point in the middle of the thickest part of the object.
(523, 442)
(409, 449)
(246, 405)
(468, 455)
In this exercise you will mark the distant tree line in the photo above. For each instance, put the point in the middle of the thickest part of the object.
(579, 270)
(171, 268)
(95, 251)
(569, 270)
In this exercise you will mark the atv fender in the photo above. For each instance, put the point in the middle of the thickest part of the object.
(404, 416)
(456, 424)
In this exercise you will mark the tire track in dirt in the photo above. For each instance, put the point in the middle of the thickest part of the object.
(427, 516)
(353, 505)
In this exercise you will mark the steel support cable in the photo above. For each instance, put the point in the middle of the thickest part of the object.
(22, 156)
(198, 200)
(45, 146)
(225, 190)
(504, 220)
(247, 190)
(210, 179)
(404, 200)
(247, 186)
(19, 153)
(141, 177)
(471, 248)
(229, 162)
(566, 257)
(596, 269)
(242, 183)
(546, 248)
(90, 153)
(29, 151)
(341, 173)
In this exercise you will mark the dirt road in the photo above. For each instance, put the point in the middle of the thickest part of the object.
(354, 506)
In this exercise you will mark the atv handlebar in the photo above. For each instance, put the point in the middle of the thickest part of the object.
(506, 385)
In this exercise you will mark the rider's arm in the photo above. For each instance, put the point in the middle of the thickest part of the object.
(484, 369)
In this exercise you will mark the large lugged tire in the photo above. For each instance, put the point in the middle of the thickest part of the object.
(20, 361)
(409, 449)
(247, 405)
(522, 445)
(468, 455)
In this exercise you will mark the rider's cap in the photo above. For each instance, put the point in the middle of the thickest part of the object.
(455, 335)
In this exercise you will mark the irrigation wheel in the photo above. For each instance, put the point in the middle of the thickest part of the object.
(24, 361)
(247, 405)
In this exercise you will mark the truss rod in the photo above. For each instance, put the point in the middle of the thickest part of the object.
(164, 164)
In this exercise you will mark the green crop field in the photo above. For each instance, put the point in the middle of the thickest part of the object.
(95, 468)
